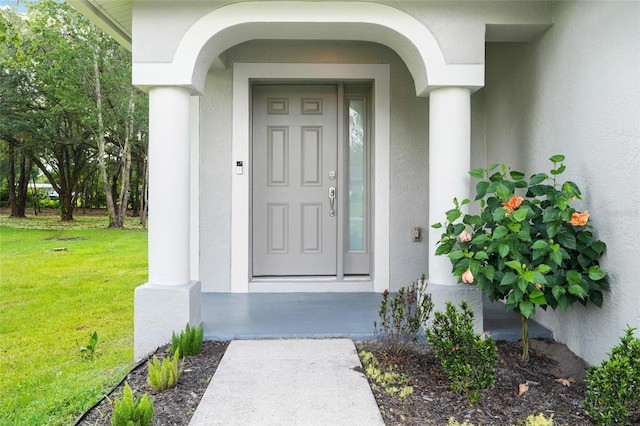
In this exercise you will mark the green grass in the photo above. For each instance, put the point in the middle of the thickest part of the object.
(50, 304)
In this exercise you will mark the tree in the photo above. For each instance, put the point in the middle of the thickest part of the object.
(70, 107)
(531, 250)
(15, 95)
(117, 129)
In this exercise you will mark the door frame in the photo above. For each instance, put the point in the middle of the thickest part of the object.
(243, 74)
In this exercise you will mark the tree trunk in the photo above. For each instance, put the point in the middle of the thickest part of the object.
(11, 180)
(36, 199)
(143, 190)
(123, 202)
(525, 338)
(111, 208)
(23, 185)
(18, 189)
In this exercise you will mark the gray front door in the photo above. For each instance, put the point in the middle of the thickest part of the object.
(294, 158)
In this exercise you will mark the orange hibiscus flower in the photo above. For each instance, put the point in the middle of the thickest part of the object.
(580, 219)
(513, 203)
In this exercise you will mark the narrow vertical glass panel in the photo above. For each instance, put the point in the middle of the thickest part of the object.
(357, 165)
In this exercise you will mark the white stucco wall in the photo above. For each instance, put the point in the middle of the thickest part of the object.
(408, 162)
(459, 27)
(575, 90)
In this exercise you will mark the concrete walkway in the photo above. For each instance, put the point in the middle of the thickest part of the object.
(288, 382)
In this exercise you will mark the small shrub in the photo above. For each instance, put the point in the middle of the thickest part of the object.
(189, 341)
(468, 359)
(391, 382)
(613, 387)
(89, 350)
(130, 412)
(403, 316)
(165, 375)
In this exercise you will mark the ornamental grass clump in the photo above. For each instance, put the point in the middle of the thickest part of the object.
(188, 342)
(165, 375)
(529, 245)
(128, 411)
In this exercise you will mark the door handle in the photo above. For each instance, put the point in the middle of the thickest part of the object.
(332, 198)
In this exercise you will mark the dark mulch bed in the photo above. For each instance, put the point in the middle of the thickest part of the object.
(432, 403)
(174, 406)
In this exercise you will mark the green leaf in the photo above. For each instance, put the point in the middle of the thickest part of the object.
(515, 175)
(539, 244)
(453, 215)
(522, 285)
(503, 250)
(543, 269)
(456, 255)
(574, 277)
(539, 278)
(567, 239)
(479, 238)
(558, 292)
(529, 276)
(557, 158)
(437, 225)
(520, 214)
(489, 272)
(537, 297)
(515, 265)
(503, 191)
(564, 302)
(537, 179)
(445, 247)
(499, 214)
(476, 173)
(481, 189)
(596, 273)
(508, 279)
(576, 290)
(481, 255)
(599, 247)
(527, 308)
(563, 203)
(552, 229)
(556, 257)
(559, 170)
(596, 298)
(500, 232)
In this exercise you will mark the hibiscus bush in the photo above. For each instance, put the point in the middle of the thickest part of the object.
(529, 246)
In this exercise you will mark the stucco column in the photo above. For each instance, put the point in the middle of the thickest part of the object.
(449, 162)
(169, 300)
(169, 159)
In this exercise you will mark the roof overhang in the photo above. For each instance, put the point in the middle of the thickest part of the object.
(112, 16)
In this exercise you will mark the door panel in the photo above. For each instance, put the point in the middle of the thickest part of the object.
(293, 150)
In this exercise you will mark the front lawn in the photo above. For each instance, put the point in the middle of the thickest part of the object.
(58, 284)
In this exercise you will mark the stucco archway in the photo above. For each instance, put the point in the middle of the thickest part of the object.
(227, 26)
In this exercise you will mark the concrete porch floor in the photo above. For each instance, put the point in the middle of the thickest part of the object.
(229, 316)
